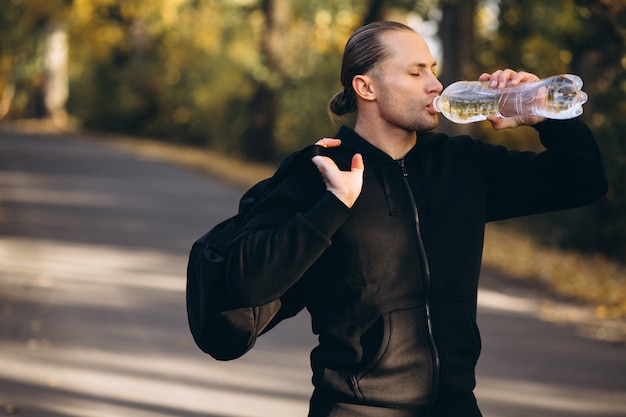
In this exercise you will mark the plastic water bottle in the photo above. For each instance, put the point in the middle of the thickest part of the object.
(557, 97)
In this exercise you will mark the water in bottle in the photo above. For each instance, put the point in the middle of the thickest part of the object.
(557, 97)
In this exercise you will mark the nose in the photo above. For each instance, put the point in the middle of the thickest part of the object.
(437, 86)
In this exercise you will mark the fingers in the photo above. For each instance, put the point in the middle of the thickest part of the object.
(346, 185)
(357, 159)
(499, 123)
(323, 163)
(328, 142)
(507, 78)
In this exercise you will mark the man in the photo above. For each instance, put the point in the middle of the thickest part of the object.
(385, 252)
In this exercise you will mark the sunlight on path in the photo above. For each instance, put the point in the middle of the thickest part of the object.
(100, 331)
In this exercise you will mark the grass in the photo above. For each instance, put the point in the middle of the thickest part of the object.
(590, 279)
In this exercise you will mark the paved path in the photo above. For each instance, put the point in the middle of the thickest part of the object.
(93, 246)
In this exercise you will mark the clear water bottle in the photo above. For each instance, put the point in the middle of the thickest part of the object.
(557, 97)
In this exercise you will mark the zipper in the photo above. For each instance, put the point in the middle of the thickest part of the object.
(427, 283)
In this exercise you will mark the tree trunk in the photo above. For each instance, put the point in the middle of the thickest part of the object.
(55, 81)
(258, 137)
(598, 63)
(375, 11)
(456, 32)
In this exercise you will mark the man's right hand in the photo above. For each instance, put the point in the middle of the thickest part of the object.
(345, 185)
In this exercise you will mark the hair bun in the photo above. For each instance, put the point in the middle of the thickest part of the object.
(342, 103)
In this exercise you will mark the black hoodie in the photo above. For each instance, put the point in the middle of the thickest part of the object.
(391, 283)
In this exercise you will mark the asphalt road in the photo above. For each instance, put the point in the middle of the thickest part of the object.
(93, 246)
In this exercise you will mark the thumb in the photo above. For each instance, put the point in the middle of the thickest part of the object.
(357, 163)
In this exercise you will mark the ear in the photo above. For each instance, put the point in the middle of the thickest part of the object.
(363, 87)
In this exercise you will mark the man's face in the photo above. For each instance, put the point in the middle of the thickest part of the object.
(406, 83)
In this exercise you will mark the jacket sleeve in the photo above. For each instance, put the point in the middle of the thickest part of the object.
(567, 174)
(283, 237)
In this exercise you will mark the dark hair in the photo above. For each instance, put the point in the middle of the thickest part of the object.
(363, 51)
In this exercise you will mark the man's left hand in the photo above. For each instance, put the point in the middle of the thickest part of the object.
(508, 78)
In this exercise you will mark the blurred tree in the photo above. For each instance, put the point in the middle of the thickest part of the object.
(258, 137)
(375, 11)
(118, 88)
(55, 73)
(600, 59)
(254, 77)
(33, 58)
(457, 34)
(588, 38)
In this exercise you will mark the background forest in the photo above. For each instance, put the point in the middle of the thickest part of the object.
(252, 78)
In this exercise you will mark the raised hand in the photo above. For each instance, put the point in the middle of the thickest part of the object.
(345, 185)
(507, 78)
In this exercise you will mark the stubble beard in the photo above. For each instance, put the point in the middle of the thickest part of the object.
(413, 119)
(427, 123)
(421, 122)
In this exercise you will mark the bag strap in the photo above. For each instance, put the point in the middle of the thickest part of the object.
(294, 160)
(289, 165)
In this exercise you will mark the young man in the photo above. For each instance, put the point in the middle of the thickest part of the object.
(384, 247)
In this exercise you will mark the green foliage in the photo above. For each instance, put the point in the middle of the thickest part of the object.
(186, 71)
(528, 37)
